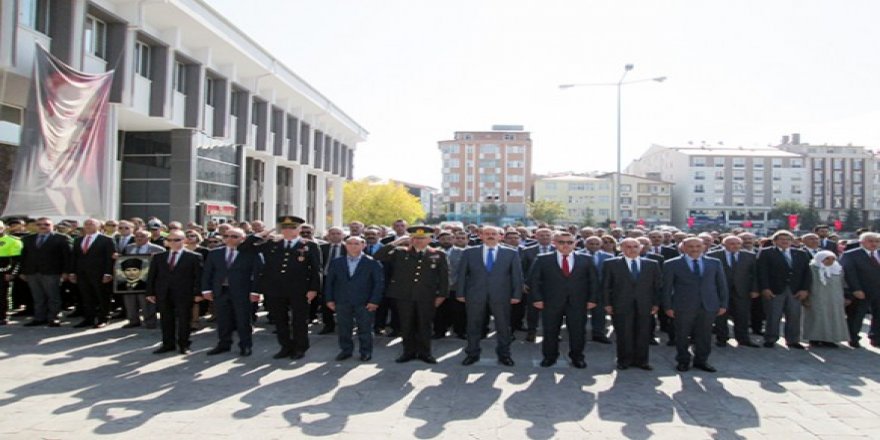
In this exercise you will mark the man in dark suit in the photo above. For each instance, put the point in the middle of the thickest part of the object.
(784, 279)
(824, 231)
(694, 293)
(742, 284)
(92, 271)
(563, 283)
(332, 249)
(400, 228)
(657, 246)
(593, 249)
(173, 284)
(290, 281)
(45, 259)
(861, 267)
(229, 279)
(353, 289)
(523, 309)
(489, 278)
(419, 283)
(631, 290)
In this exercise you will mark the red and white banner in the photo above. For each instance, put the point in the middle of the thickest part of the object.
(61, 161)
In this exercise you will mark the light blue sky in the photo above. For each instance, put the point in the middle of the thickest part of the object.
(740, 72)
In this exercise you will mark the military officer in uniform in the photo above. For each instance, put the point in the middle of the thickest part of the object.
(290, 281)
(419, 282)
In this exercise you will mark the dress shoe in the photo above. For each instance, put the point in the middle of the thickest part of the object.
(101, 324)
(506, 361)
(132, 325)
(622, 366)
(55, 323)
(366, 357)
(547, 362)
(601, 339)
(283, 353)
(855, 344)
(831, 345)
(796, 346)
(682, 367)
(705, 367)
(83, 324)
(245, 351)
(721, 343)
(327, 331)
(342, 356)
(580, 364)
(427, 358)
(646, 367)
(218, 350)
(469, 360)
(531, 336)
(769, 344)
(35, 323)
(163, 349)
(406, 357)
(747, 344)
(183, 350)
(297, 355)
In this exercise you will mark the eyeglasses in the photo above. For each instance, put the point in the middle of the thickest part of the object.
(232, 236)
(192, 236)
(565, 241)
(43, 224)
(173, 240)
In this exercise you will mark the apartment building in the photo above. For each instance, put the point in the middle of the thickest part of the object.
(583, 196)
(206, 122)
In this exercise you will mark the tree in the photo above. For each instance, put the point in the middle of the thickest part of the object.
(853, 220)
(588, 217)
(781, 210)
(809, 218)
(379, 204)
(547, 211)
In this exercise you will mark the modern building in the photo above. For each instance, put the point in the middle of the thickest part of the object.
(583, 196)
(722, 185)
(206, 122)
(840, 177)
(643, 200)
(486, 174)
(427, 195)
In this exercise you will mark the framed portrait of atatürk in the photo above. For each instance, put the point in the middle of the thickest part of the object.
(130, 274)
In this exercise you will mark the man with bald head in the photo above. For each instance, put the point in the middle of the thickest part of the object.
(92, 272)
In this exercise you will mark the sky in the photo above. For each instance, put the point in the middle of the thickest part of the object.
(743, 73)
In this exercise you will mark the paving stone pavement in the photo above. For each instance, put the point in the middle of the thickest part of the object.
(61, 383)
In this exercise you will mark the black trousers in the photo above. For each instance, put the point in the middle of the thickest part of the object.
(4, 297)
(21, 294)
(416, 322)
(95, 297)
(757, 317)
(633, 334)
(175, 316)
(574, 321)
(855, 316)
(290, 313)
(693, 325)
(450, 314)
(524, 310)
(233, 311)
(387, 315)
(740, 312)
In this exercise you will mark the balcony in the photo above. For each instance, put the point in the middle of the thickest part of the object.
(93, 64)
(141, 96)
(178, 108)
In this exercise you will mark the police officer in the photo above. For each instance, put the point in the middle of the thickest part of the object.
(290, 281)
(10, 253)
(419, 282)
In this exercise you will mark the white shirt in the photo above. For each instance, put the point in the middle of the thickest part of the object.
(486, 254)
(570, 259)
(291, 243)
(629, 263)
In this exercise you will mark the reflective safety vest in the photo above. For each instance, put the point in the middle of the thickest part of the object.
(10, 246)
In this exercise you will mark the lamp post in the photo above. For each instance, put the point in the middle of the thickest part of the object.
(615, 203)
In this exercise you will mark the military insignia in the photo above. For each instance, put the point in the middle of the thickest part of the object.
(433, 266)
(301, 259)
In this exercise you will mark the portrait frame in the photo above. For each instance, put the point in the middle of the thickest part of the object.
(121, 283)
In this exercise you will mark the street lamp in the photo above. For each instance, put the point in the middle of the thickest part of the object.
(615, 207)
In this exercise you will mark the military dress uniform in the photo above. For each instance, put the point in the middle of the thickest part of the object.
(10, 261)
(292, 268)
(417, 279)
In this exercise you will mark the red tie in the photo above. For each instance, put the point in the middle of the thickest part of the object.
(86, 243)
(173, 261)
(566, 270)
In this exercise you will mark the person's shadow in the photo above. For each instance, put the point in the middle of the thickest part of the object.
(453, 399)
(710, 405)
(635, 401)
(548, 401)
(296, 389)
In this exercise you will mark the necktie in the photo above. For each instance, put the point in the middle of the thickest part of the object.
(490, 259)
(733, 257)
(86, 243)
(696, 267)
(230, 257)
(41, 240)
(634, 269)
(566, 269)
(173, 261)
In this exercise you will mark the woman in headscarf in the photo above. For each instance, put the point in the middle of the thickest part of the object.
(824, 316)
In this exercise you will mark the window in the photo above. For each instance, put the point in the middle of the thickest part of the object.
(739, 162)
(489, 148)
(96, 37)
(758, 164)
(739, 174)
(551, 186)
(758, 177)
(626, 200)
(777, 162)
(699, 188)
(818, 164)
(719, 175)
(796, 189)
(451, 163)
(515, 164)
(837, 176)
(509, 137)
(516, 149)
(837, 164)
(255, 108)
(858, 164)
(699, 161)
(468, 137)
(719, 162)
(625, 188)
(35, 14)
(739, 201)
(452, 177)
(449, 148)
(179, 80)
(209, 91)
(235, 103)
(699, 175)
(485, 163)
(515, 178)
(797, 163)
(142, 59)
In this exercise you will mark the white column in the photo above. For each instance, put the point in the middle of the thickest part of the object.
(321, 203)
(337, 200)
(298, 195)
(270, 188)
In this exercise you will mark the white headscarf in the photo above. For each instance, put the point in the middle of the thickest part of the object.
(826, 272)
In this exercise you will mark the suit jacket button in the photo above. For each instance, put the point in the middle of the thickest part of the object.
(417, 274)
(416, 280)
(282, 271)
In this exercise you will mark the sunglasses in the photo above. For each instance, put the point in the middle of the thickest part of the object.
(173, 240)
(565, 241)
(43, 224)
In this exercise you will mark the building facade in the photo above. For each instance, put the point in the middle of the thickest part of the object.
(725, 186)
(487, 174)
(205, 122)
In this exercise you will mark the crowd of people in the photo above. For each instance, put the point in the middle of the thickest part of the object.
(423, 283)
